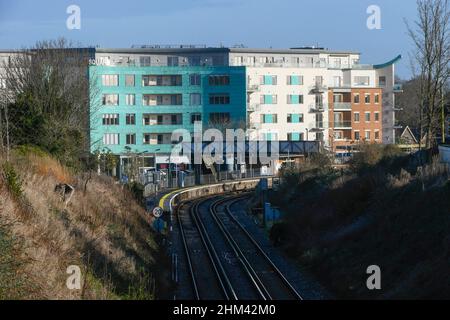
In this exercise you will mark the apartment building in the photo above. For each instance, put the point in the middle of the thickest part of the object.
(145, 92)
(318, 94)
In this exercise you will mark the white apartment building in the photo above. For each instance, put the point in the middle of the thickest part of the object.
(289, 93)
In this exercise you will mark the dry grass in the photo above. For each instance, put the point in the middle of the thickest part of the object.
(104, 231)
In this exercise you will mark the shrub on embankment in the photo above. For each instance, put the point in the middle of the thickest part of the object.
(391, 212)
(104, 231)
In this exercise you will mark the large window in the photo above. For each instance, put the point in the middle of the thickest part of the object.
(110, 119)
(196, 117)
(172, 61)
(110, 100)
(269, 80)
(219, 98)
(295, 118)
(269, 118)
(294, 80)
(295, 99)
(295, 136)
(269, 99)
(110, 80)
(219, 80)
(130, 119)
(129, 80)
(195, 99)
(130, 99)
(131, 138)
(111, 139)
(195, 79)
(361, 81)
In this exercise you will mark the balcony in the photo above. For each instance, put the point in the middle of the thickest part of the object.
(252, 87)
(317, 126)
(342, 106)
(398, 88)
(253, 107)
(319, 88)
(316, 108)
(342, 125)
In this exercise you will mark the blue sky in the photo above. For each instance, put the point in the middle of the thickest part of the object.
(334, 24)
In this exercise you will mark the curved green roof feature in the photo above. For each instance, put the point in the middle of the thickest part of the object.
(387, 64)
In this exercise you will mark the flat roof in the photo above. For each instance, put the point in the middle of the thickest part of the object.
(223, 50)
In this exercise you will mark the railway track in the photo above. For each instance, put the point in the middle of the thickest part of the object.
(223, 259)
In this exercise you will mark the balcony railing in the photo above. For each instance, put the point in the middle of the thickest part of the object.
(342, 124)
(346, 106)
(252, 87)
(253, 107)
(313, 108)
(319, 87)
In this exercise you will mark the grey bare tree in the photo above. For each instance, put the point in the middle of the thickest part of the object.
(430, 62)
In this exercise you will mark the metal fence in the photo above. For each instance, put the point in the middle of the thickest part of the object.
(182, 180)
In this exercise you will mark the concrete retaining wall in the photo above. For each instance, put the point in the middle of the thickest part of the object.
(197, 192)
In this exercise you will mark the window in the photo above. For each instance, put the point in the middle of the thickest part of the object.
(294, 99)
(175, 119)
(111, 139)
(219, 117)
(294, 80)
(269, 99)
(338, 98)
(221, 80)
(367, 135)
(196, 117)
(129, 80)
(172, 61)
(338, 135)
(269, 80)
(356, 116)
(295, 118)
(382, 81)
(130, 99)
(357, 136)
(270, 136)
(367, 116)
(145, 61)
(377, 135)
(195, 99)
(110, 100)
(269, 118)
(147, 138)
(295, 136)
(194, 79)
(361, 81)
(110, 80)
(367, 98)
(377, 98)
(194, 61)
(356, 98)
(110, 119)
(131, 138)
(377, 116)
(219, 98)
(130, 119)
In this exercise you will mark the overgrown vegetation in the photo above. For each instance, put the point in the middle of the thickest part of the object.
(386, 209)
(104, 231)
